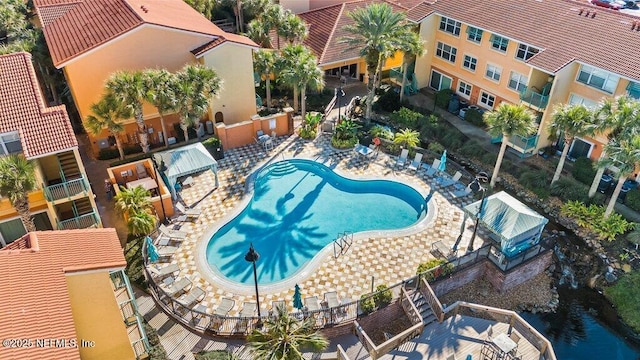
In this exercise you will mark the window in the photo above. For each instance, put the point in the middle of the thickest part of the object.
(470, 63)
(517, 81)
(599, 79)
(487, 99)
(10, 143)
(474, 34)
(13, 229)
(493, 72)
(449, 25)
(499, 43)
(633, 89)
(579, 100)
(439, 81)
(464, 89)
(446, 52)
(525, 52)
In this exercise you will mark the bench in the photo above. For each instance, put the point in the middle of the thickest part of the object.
(440, 249)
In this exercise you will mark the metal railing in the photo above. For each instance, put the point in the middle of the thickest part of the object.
(526, 143)
(66, 189)
(342, 243)
(536, 99)
(79, 222)
(432, 299)
(129, 310)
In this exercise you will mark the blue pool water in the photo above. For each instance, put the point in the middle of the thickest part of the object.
(300, 206)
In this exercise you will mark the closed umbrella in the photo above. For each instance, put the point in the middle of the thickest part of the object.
(151, 250)
(297, 298)
(443, 162)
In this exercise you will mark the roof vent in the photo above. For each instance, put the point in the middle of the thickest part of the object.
(587, 13)
(634, 24)
(144, 8)
(580, 11)
(593, 14)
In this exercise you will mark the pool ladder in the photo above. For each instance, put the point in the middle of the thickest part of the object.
(342, 243)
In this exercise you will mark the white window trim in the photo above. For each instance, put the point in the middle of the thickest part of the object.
(3, 146)
(491, 78)
(509, 81)
(441, 76)
(461, 93)
(474, 41)
(593, 87)
(466, 68)
(515, 56)
(442, 57)
(583, 140)
(503, 52)
(483, 105)
(572, 95)
(446, 19)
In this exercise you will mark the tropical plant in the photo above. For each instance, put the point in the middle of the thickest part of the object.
(292, 28)
(128, 89)
(406, 118)
(346, 129)
(407, 138)
(309, 127)
(508, 120)
(299, 69)
(593, 217)
(412, 48)
(428, 265)
(204, 7)
(285, 337)
(285, 23)
(366, 304)
(159, 91)
(130, 201)
(382, 296)
(625, 156)
(381, 132)
(108, 113)
(378, 32)
(141, 223)
(583, 170)
(264, 62)
(17, 32)
(194, 86)
(569, 121)
(17, 180)
(618, 118)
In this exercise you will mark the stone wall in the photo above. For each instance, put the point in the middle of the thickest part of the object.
(459, 279)
(519, 274)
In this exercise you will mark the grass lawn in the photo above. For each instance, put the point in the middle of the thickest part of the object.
(624, 295)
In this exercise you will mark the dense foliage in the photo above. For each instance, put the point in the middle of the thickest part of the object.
(592, 217)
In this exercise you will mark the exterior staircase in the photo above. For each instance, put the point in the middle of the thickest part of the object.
(83, 206)
(68, 165)
(423, 307)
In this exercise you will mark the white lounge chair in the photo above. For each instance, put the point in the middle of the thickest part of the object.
(312, 303)
(187, 182)
(332, 299)
(225, 306)
(192, 297)
(402, 159)
(416, 163)
(166, 251)
(163, 272)
(446, 181)
(248, 309)
(188, 213)
(461, 192)
(175, 287)
(434, 167)
(173, 234)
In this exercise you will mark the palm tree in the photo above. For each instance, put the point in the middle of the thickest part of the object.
(407, 138)
(378, 31)
(195, 84)
(141, 223)
(292, 28)
(108, 112)
(131, 201)
(17, 180)
(284, 337)
(624, 155)
(18, 32)
(620, 117)
(413, 48)
(290, 57)
(571, 121)
(302, 72)
(508, 120)
(159, 86)
(258, 29)
(128, 88)
(264, 61)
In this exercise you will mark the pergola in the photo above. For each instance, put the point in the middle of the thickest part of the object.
(184, 161)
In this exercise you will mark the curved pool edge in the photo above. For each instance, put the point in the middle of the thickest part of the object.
(217, 279)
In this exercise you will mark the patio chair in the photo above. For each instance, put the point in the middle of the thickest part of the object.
(192, 297)
(433, 168)
(165, 240)
(187, 182)
(163, 272)
(268, 144)
(515, 338)
(166, 251)
(173, 234)
(259, 133)
(402, 159)
(332, 299)
(225, 306)
(446, 181)
(275, 305)
(188, 213)
(461, 192)
(175, 287)
(312, 303)
(248, 309)
(417, 161)
(141, 170)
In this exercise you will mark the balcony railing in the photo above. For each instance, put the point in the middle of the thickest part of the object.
(536, 99)
(130, 314)
(66, 190)
(525, 143)
(80, 222)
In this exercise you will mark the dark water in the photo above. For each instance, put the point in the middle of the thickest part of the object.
(585, 327)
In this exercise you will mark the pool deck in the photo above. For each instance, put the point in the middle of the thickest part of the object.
(388, 259)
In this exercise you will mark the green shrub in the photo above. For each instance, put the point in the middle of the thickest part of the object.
(452, 139)
(436, 147)
(343, 144)
(633, 199)
(309, 128)
(429, 265)
(388, 101)
(583, 170)
(156, 352)
(592, 217)
(108, 154)
(532, 179)
(474, 117)
(624, 295)
(366, 304)
(406, 118)
(407, 138)
(443, 97)
(382, 296)
(132, 149)
(381, 132)
(212, 142)
(214, 355)
(471, 149)
(570, 190)
(489, 158)
(307, 134)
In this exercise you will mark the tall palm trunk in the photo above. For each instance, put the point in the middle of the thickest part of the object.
(563, 157)
(185, 130)
(405, 66)
(614, 196)
(496, 169)
(596, 179)
(142, 130)
(268, 91)
(303, 101)
(164, 129)
(296, 95)
(22, 208)
(118, 145)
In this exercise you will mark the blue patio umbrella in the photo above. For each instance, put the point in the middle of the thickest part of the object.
(297, 298)
(152, 252)
(443, 162)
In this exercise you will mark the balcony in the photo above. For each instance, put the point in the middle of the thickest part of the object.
(523, 145)
(528, 95)
(66, 189)
(131, 317)
(79, 222)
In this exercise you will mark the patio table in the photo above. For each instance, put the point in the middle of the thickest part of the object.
(147, 183)
(504, 343)
(363, 150)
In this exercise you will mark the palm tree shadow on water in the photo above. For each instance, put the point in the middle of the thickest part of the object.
(282, 233)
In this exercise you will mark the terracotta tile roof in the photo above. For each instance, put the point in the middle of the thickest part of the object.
(42, 129)
(556, 26)
(199, 51)
(326, 29)
(35, 288)
(73, 27)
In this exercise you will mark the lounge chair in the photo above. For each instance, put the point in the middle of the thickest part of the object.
(187, 182)
(275, 305)
(248, 309)
(434, 167)
(175, 287)
(225, 306)
(165, 271)
(188, 213)
(402, 159)
(417, 161)
(192, 297)
(451, 357)
(166, 251)
(332, 299)
(446, 181)
(312, 303)
(173, 234)
(461, 192)
(165, 240)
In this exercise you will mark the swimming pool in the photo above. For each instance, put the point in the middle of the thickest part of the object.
(299, 207)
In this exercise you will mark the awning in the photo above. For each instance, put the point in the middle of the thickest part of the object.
(184, 161)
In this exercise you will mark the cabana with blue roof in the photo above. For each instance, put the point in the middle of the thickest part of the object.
(512, 224)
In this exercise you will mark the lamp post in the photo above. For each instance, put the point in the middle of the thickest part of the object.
(475, 187)
(162, 168)
(252, 256)
(339, 94)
